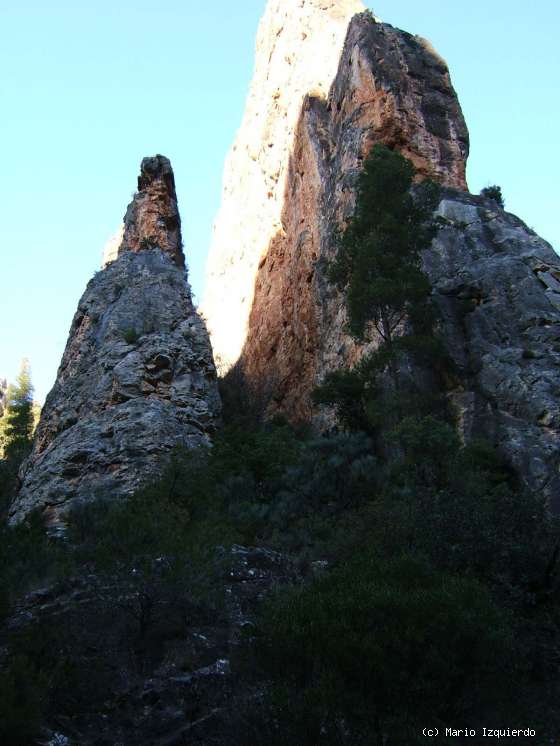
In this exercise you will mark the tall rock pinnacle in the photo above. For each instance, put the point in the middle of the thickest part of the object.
(137, 376)
(297, 52)
(393, 87)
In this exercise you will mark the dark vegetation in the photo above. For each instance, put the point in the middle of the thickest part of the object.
(16, 432)
(494, 193)
(428, 588)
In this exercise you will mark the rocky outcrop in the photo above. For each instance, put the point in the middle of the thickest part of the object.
(185, 679)
(497, 285)
(137, 376)
(297, 51)
(152, 218)
(327, 85)
(495, 281)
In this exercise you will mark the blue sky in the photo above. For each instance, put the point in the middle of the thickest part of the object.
(87, 89)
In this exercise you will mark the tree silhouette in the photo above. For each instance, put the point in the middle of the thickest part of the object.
(16, 426)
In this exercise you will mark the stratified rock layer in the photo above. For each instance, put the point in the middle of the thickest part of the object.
(137, 377)
(385, 86)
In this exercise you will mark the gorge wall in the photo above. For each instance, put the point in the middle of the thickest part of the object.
(137, 376)
(269, 307)
(327, 84)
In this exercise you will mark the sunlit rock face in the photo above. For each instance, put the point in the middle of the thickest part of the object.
(270, 307)
(152, 218)
(354, 80)
(297, 52)
(137, 376)
(295, 333)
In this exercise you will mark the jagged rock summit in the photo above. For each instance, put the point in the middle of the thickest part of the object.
(137, 376)
(152, 218)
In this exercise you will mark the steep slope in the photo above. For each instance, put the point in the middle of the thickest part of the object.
(137, 376)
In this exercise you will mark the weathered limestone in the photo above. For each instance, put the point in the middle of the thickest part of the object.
(495, 281)
(297, 52)
(385, 85)
(497, 285)
(137, 376)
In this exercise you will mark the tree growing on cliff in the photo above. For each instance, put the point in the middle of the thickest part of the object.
(17, 423)
(378, 268)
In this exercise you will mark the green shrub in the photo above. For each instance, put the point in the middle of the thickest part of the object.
(130, 335)
(28, 558)
(493, 193)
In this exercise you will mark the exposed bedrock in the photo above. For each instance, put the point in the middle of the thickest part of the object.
(137, 376)
(327, 85)
(496, 282)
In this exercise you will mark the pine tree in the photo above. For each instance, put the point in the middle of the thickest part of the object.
(17, 424)
(378, 268)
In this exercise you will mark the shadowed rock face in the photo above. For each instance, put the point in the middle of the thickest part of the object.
(137, 376)
(497, 285)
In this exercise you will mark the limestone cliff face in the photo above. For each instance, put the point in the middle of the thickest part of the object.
(297, 52)
(495, 281)
(497, 285)
(353, 81)
(137, 376)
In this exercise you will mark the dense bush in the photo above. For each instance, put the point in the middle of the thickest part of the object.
(381, 647)
(494, 193)
(28, 558)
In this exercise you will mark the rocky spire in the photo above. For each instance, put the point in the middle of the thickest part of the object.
(137, 376)
(395, 87)
(152, 218)
(297, 52)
